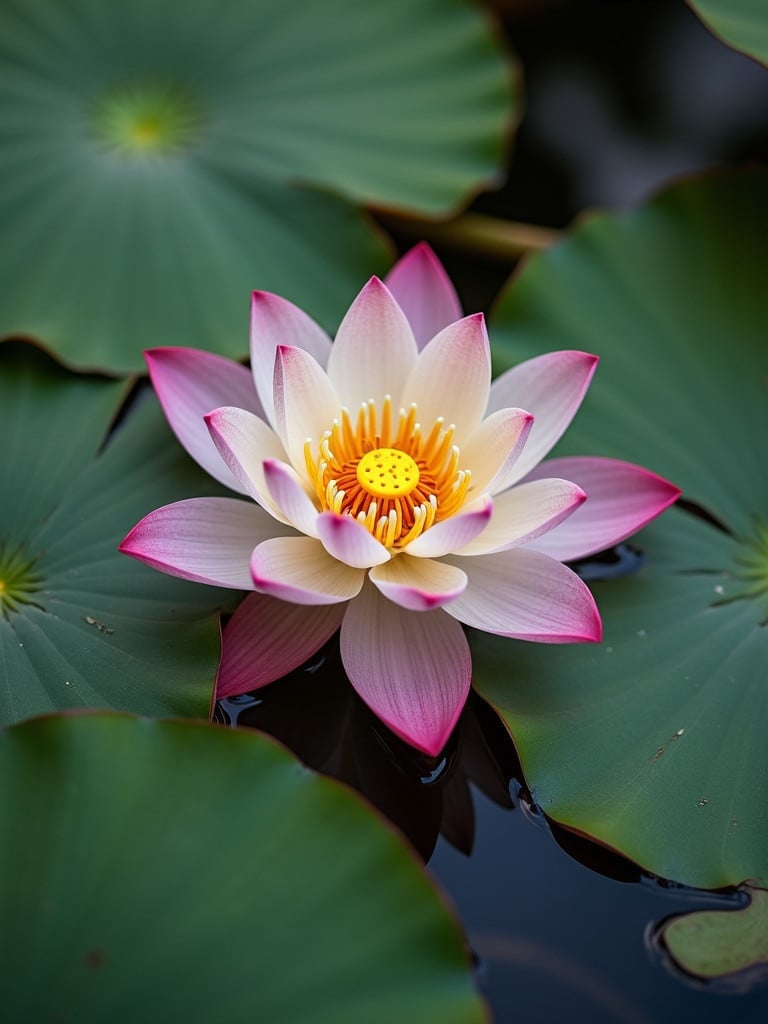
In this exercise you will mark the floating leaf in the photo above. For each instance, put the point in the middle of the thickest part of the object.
(80, 624)
(715, 943)
(160, 163)
(742, 24)
(176, 871)
(653, 742)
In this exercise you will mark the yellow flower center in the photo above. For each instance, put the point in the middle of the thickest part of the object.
(392, 477)
(387, 473)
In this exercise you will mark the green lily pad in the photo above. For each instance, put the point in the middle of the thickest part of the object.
(176, 871)
(716, 943)
(653, 742)
(742, 24)
(80, 624)
(160, 163)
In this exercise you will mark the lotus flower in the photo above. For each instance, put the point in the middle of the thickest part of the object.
(397, 494)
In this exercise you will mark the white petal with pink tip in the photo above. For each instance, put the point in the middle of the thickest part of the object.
(209, 540)
(527, 595)
(289, 494)
(189, 384)
(551, 387)
(373, 351)
(349, 541)
(621, 499)
(452, 377)
(419, 584)
(305, 402)
(526, 512)
(413, 671)
(244, 442)
(424, 292)
(493, 450)
(275, 321)
(455, 532)
(299, 569)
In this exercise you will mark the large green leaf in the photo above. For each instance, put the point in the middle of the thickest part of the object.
(175, 871)
(159, 162)
(654, 741)
(80, 624)
(742, 24)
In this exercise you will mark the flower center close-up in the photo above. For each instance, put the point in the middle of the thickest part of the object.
(393, 477)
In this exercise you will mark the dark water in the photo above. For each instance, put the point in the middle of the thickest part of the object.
(560, 927)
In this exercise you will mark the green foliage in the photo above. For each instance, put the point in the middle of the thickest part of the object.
(654, 741)
(742, 24)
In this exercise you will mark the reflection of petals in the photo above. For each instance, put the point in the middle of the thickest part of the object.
(621, 499)
(413, 671)
(526, 595)
(266, 638)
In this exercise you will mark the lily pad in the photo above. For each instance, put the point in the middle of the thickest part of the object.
(654, 741)
(176, 871)
(742, 24)
(160, 164)
(716, 943)
(80, 624)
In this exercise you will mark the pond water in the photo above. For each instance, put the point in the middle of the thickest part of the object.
(559, 926)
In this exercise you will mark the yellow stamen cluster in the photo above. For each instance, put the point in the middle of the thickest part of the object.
(393, 478)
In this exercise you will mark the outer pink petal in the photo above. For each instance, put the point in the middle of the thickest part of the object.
(267, 638)
(306, 404)
(621, 498)
(492, 452)
(454, 533)
(418, 584)
(190, 383)
(526, 595)
(349, 541)
(374, 349)
(526, 512)
(300, 570)
(276, 321)
(424, 292)
(551, 387)
(288, 491)
(244, 443)
(413, 671)
(209, 540)
(452, 377)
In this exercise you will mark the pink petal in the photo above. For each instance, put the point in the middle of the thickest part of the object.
(413, 671)
(306, 404)
(276, 321)
(349, 541)
(209, 540)
(288, 490)
(245, 442)
(190, 383)
(374, 349)
(418, 584)
(454, 533)
(424, 292)
(551, 387)
(526, 512)
(621, 498)
(266, 638)
(300, 570)
(493, 450)
(526, 595)
(452, 377)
